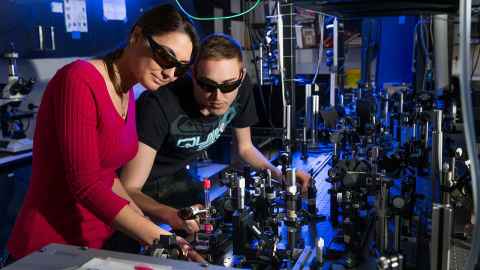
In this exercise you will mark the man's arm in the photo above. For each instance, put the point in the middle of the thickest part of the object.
(134, 175)
(118, 189)
(250, 154)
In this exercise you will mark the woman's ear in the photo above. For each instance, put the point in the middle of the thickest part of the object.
(135, 36)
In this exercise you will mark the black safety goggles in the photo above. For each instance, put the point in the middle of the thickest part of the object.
(211, 86)
(166, 59)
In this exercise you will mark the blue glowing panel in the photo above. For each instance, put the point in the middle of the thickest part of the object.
(395, 55)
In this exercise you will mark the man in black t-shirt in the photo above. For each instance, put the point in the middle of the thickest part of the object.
(170, 121)
(181, 120)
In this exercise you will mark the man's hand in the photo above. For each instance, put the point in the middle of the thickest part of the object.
(303, 179)
(188, 251)
(190, 226)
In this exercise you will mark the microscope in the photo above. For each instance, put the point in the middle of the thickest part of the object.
(13, 121)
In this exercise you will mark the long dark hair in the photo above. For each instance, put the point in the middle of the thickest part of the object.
(159, 20)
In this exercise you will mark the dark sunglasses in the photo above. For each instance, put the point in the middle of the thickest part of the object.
(211, 86)
(166, 59)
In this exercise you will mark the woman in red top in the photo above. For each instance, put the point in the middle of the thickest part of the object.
(86, 131)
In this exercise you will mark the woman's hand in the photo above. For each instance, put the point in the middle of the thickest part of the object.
(188, 251)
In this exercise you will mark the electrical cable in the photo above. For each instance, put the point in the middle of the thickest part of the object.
(376, 36)
(274, 9)
(259, 35)
(414, 51)
(318, 12)
(272, 14)
(365, 51)
(280, 55)
(427, 34)
(424, 44)
(421, 32)
(476, 61)
(254, 58)
(432, 38)
(218, 18)
(320, 48)
(467, 114)
(270, 119)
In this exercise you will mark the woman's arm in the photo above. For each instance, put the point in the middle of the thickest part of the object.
(143, 230)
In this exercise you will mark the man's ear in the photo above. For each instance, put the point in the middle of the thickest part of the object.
(244, 72)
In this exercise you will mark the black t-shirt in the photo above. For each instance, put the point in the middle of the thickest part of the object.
(169, 121)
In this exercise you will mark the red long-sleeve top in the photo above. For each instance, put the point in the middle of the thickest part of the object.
(80, 141)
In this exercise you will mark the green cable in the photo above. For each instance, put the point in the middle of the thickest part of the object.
(218, 18)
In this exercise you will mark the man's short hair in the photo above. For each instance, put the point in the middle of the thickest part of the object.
(219, 46)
